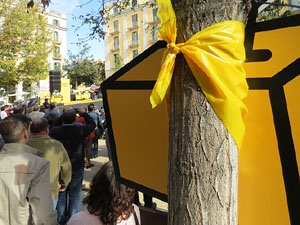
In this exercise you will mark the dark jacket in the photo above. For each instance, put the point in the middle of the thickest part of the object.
(73, 138)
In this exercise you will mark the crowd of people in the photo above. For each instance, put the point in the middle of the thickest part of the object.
(42, 161)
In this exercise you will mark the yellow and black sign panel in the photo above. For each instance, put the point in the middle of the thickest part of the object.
(269, 188)
(139, 135)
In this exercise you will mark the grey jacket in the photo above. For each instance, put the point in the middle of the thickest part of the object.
(24, 187)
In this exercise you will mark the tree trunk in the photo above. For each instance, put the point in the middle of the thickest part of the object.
(203, 158)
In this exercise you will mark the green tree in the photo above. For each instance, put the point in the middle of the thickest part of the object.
(81, 67)
(25, 43)
(274, 11)
(100, 70)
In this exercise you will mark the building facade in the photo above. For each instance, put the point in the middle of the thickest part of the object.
(57, 24)
(129, 32)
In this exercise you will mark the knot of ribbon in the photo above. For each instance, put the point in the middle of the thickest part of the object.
(173, 48)
(215, 56)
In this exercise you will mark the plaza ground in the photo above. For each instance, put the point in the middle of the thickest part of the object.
(89, 173)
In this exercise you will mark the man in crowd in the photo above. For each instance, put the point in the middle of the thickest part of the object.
(46, 103)
(97, 119)
(19, 110)
(55, 153)
(36, 114)
(3, 113)
(24, 177)
(72, 135)
(53, 110)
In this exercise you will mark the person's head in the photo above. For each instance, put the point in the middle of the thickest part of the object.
(91, 107)
(39, 126)
(15, 129)
(107, 198)
(69, 116)
(3, 108)
(19, 110)
(46, 99)
(52, 105)
(52, 118)
(66, 108)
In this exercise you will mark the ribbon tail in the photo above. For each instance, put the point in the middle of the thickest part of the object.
(163, 81)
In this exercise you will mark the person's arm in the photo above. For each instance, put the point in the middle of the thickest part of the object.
(39, 197)
(100, 125)
(90, 124)
(65, 167)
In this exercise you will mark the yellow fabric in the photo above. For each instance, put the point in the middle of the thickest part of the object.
(216, 56)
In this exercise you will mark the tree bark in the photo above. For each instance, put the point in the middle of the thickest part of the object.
(203, 158)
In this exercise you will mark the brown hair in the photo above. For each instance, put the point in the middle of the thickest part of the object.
(12, 128)
(107, 198)
(69, 116)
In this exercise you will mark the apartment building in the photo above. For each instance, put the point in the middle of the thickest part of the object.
(57, 24)
(129, 32)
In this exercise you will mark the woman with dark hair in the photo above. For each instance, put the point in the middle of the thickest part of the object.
(108, 202)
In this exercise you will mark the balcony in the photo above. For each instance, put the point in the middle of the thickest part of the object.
(133, 45)
(154, 22)
(115, 49)
(57, 41)
(135, 26)
(114, 32)
(57, 56)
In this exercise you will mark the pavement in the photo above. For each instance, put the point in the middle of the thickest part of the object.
(89, 174)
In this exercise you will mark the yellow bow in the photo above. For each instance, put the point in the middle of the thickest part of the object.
(216, 56)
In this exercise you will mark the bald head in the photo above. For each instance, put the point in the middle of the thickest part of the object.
(38, 126)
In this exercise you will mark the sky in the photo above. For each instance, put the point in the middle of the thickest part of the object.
(71, 8)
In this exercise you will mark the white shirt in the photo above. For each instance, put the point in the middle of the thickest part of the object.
(3, 115)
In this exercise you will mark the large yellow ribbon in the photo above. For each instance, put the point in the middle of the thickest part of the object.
(215, 56)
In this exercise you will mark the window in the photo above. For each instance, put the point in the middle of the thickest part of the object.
(134, 20)
(293, 2)
(135, 53)
(57, 52)
(55, 36)
(154, 32)
(57, 66)
(117, 60)
(116, 26)
(116, 42)
(134, 3)
(154, 15)
(115, 10)
(135, 38)
(55, 22)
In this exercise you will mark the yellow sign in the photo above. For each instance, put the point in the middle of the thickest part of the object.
(62, 97)
(270, 155)
(269, 189)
